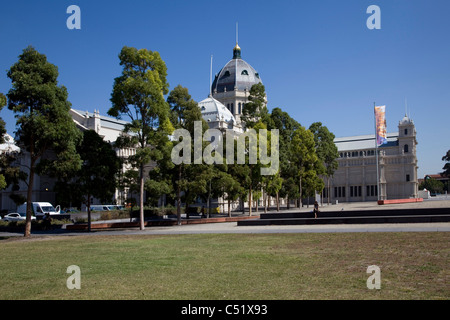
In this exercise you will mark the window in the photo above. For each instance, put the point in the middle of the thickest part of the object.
(239, 108)
(405, 148)
(371, 191)
(244, 73)
(406, 132)
(408, 178)
(232, 108)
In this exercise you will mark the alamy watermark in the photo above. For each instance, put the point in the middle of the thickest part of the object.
(258, 146)
(74, 280)
(374, 281)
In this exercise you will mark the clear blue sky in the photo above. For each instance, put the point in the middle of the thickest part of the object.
(317, 59)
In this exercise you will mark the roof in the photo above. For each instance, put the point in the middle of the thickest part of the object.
(364, 142)
(213, 110)
(105, 122)
(237, 74)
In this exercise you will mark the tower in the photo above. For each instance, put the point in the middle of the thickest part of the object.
(407, 149)
(231, 86)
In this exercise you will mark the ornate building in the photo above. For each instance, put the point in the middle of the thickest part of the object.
(232, 84)
(356, 177)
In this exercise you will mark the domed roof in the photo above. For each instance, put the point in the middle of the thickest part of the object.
(213, 110)
(237, 74)
(406, 120)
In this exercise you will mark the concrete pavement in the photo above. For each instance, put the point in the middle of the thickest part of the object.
(231, 227)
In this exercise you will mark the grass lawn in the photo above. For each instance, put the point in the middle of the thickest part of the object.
(228, 266)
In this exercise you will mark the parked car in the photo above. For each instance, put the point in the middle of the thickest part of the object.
(16, 217)
(39, 209)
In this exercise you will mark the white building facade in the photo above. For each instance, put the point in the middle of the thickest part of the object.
(356, 177)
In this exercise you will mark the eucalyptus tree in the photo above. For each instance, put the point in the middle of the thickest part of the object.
(138, 93)
(45, 129)
(326, 151)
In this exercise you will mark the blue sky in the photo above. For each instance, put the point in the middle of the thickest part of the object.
(317, 59)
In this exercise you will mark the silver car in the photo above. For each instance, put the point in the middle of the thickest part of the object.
(16, 217)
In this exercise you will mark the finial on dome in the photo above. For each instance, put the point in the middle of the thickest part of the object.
(237, 52)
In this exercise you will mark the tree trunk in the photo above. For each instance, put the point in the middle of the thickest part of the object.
(89, 211)
(265, 202)
(328, 192)
(141, 198)
(29, 209)
(300, 192)
(278, 202)
(208, 202)
(250, 201)
(179, 197)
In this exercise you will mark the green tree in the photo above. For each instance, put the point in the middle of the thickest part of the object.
(326, 151)
(446, 168)
(43, 120)
(432, 185)
(139, 94)
(303, 156)
(2, 140)
(286, 126)
(97, 175)
(255, 109)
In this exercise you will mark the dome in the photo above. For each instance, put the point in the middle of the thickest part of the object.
(406, 120)
(237, 74)
(213, 110)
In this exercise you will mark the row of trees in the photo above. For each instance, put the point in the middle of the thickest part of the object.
(305, 154)
(87, 167)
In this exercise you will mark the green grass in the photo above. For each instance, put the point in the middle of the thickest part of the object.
(234, 266)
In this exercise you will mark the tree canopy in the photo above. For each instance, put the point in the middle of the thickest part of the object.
(43, 120)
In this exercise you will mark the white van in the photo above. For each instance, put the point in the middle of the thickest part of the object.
(39, 208)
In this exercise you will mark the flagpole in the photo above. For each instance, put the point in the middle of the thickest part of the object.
(376, 153)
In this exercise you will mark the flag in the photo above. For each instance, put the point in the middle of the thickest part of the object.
(380, 125)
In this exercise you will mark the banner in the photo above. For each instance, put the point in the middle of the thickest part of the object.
(380, 125)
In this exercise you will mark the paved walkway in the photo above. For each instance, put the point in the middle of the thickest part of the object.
(231, 227)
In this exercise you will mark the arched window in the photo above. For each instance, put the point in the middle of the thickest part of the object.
(406, 148)
(244, 73)
(232, 109)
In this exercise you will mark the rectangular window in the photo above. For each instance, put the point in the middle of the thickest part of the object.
(359, 191)
(407, 178)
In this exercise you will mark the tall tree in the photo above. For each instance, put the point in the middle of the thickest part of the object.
(139, 94)
(184, 112)
(255, 109)
(2, 140)
(97, 175)
(286, 126)
(303, 156)
(326, 151)
(43, 120)
(446, 168)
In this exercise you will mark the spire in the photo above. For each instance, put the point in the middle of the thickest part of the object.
(237, 49)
